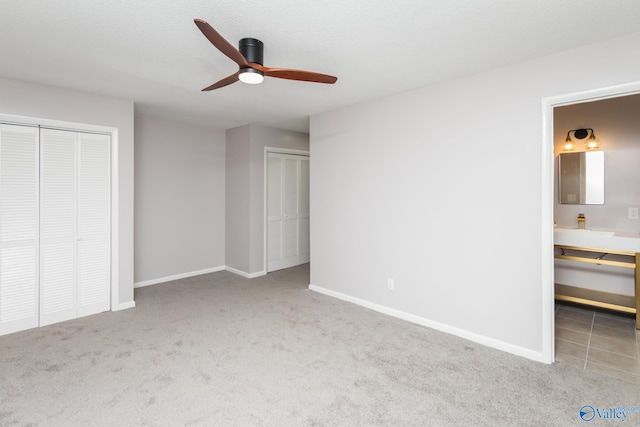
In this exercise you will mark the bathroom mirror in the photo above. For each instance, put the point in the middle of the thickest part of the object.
(581, 178)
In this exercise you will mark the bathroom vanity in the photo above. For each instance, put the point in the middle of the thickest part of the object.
(602, 248)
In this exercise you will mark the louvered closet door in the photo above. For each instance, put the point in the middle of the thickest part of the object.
(58, 226)
(94, 224)
(75, 225)
(287, 210)
(18, 228)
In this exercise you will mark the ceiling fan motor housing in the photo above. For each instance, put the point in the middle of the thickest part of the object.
(252, 50)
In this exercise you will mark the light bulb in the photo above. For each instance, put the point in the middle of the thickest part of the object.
(251, 76)
(592, 142)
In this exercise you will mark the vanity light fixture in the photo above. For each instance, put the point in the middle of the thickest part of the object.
(568, 143)
(591, 144)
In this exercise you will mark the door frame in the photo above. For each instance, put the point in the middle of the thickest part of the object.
(276, 150)
(547, 268)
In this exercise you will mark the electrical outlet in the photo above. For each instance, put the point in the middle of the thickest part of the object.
(633, 213)
(390, 283)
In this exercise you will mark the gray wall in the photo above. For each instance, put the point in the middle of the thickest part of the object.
(245, 191)
(237, 194)
(616, 123)
(53, 104)
(440, 189)
(180, 199)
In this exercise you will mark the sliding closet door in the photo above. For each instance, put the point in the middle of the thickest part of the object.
(74, 225)
(287, 210)
(18, 228)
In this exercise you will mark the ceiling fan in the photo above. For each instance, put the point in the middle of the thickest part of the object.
(249, 59)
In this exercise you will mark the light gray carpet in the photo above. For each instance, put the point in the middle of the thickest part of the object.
(220, 350)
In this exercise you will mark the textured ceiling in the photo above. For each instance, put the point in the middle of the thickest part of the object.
(151, 52)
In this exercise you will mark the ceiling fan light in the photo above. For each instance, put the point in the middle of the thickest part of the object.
(251, 76)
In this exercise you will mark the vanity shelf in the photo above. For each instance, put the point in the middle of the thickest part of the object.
(624, 259)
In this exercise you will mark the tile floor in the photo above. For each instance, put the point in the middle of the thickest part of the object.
(598, 340)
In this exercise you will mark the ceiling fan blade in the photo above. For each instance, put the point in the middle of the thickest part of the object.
(218, 41)
(291, 74)
(222, 83)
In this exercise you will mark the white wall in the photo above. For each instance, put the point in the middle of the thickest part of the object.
(54, 104)
(441, 189)
(180, 199)
(245, 192)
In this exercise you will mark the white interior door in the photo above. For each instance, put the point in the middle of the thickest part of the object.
(94, 224)
(75, 225)
(55, 226)
(18, 228)
(287, 210)
(58, 225)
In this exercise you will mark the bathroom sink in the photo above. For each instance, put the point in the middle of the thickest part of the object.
(597, 239)
(591, 232)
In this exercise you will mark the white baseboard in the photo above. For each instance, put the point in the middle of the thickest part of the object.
(471, 336)
(244, 273)
(125, 306)
(177, 277)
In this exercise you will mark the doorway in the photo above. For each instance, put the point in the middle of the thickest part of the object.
(548, 276)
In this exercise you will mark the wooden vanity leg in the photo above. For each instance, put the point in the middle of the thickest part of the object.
(637, 275)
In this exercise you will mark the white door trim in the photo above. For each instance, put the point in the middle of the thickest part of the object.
(547, 268)
(268, 150)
